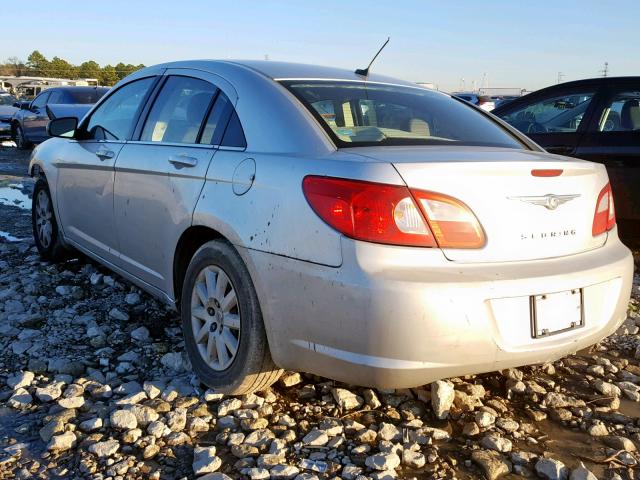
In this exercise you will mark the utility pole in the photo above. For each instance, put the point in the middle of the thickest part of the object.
(560, 77)
(605, 70)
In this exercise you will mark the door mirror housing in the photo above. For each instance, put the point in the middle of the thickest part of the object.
(25, 105)
(62, 127)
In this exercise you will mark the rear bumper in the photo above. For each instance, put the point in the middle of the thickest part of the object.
(402, 317)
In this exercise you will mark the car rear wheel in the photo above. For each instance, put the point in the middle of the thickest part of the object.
(21, 142)
(45, 227)
(222, 323)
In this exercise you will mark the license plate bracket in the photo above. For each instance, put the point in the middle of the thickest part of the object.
(554, 313)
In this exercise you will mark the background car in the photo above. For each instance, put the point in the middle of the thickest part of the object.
(595, 119)
(7, 110)
(304, 217)
(485, 102)
(29, 123)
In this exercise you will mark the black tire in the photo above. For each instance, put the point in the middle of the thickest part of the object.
(252, 368)
(18, 136)
(50, 248)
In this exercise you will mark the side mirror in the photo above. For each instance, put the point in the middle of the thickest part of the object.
(62, 127)
(25, 105)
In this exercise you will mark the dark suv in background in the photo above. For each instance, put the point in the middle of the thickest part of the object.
(596, 119)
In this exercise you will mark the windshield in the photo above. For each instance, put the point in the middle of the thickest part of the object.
(7, 100)
(87, 96)
(358, 114)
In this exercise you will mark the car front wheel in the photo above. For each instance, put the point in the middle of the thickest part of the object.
(222, 323)
(45, 227)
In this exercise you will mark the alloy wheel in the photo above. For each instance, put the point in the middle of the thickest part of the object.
(44, 215)
(215, 317)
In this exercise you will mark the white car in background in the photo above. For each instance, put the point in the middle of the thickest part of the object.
(310, 218)
(485, 102)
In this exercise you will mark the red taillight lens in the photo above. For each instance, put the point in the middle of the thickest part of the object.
(383, 213)
(605, 217)
(373, 212)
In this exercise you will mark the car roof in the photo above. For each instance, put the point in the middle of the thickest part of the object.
(76, 88)
(287, 70)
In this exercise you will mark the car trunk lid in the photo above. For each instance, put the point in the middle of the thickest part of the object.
(525, 217)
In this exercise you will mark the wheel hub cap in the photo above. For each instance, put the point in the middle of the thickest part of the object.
(215, 317)
(44, 215)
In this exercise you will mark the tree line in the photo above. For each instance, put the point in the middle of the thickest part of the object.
(37, 65)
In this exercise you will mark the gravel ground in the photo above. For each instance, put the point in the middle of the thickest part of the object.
(94, 384)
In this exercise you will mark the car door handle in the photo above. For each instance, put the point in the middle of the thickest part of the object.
(180, 161)
(103, 154)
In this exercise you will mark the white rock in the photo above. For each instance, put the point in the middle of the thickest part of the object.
(132, 298)
(172, 360)
(316, 438)
(49, 393)
(141, 334)
(388, 461)
(72, 402)
(228, 406)
(20, 380)
(413, 459)
(388, 431)
(123, 420)
(497, 443)
(212, 396)
(290, 379)
(551, 469)
(582, 473)
(484, 419)
(606, 388)
(104, 449)
(91, 424)
(284, 472)
(118, 314)
(62, 442)
(20, 399)
(442, 396)
(345, 399)
(153, 388)
(205, 460)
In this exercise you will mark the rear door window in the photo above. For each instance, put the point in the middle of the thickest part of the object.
(179, 111)
(621, 113)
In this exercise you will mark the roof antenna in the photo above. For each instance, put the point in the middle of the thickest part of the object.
(365, 72)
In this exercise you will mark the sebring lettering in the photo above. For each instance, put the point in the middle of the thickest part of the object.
(547, 235)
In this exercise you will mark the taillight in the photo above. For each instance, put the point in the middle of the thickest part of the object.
(368, 211)
(382, 213)
(605, 217)
(453, 223)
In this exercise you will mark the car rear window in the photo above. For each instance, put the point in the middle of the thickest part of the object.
(86, 96)
(359, 114)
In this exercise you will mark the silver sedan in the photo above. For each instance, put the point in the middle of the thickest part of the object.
(308, 218)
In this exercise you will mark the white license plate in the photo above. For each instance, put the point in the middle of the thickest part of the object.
(556, 312)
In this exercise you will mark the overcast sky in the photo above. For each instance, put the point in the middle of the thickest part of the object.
(515, 43)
